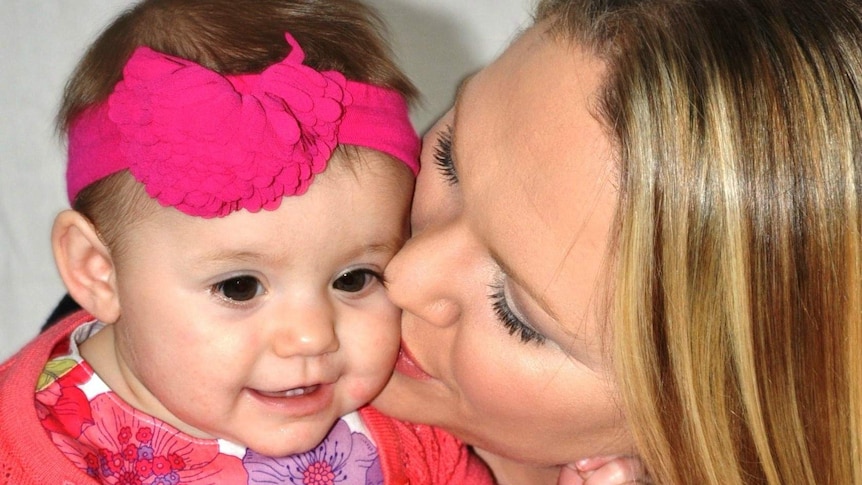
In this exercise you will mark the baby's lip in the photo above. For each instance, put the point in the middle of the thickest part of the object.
(292, 392)
(294, 382)
(299, 401)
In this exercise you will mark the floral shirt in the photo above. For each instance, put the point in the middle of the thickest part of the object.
(117, 444)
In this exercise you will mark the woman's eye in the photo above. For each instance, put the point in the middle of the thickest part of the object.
(443, 156)
(238, 288)
(511, 321)
(354, 281)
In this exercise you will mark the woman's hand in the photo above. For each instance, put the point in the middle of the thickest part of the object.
(604, 470)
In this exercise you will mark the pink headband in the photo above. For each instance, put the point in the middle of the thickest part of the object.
(210, 144)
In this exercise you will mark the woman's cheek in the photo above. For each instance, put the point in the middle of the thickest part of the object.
(488, 370)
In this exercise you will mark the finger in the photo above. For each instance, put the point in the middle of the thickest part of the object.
(618, 471)
(595, 462)
(570, 475)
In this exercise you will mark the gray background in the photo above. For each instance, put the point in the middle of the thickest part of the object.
(438, 42)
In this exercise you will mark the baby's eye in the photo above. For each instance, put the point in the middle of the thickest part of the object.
(238, 288)
(356, 280)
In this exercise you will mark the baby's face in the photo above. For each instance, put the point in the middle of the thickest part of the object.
(262, 329)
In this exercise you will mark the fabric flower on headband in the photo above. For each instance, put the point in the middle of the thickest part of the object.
(210, 144)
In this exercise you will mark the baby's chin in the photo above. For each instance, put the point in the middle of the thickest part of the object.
(285, 444)
(271, 440)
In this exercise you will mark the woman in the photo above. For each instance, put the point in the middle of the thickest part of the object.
(641, 229)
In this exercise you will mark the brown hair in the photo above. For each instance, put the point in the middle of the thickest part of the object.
(230, 37)
(737, 307)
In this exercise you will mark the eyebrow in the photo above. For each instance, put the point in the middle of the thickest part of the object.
(540, 300)
(221, 256)
(231, 255)
(459, 96)
(459, 92)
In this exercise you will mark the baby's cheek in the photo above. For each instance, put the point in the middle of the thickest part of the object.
(365, 390)
(373, 351)
(370, 380)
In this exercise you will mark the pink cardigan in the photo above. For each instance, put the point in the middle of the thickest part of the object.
(410, 454)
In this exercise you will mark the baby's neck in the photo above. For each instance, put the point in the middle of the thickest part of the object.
(100, 352)
(511, 472)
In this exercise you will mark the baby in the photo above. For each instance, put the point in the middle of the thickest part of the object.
(240, 174)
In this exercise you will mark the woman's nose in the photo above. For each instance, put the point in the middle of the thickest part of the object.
(308, 331)
(425, 275)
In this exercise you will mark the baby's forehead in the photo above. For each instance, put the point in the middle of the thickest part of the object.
(345, 213)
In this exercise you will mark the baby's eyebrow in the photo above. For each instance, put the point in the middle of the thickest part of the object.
(233, 255)
(226, 255)
(389, 247)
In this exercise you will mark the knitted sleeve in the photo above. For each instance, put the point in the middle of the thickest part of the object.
(27, 455)
(418, 454)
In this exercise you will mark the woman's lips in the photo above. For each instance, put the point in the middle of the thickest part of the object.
(407, 365)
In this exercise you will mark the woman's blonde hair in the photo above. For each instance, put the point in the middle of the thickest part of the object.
(737, 306)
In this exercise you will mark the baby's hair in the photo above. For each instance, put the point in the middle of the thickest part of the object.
(229, 37)
(238, 36)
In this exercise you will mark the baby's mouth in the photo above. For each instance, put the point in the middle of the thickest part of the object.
(297, 391)
(297, 402)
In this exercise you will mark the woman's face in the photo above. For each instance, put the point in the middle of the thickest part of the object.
(501, 281)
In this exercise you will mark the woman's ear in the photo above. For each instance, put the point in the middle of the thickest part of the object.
(85, 265)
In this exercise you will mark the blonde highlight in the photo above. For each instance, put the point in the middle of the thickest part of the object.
(737, 267)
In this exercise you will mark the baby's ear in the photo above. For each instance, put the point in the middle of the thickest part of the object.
(85, 265)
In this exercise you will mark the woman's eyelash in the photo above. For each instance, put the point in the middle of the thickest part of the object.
(443, 156)
(512, 323)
